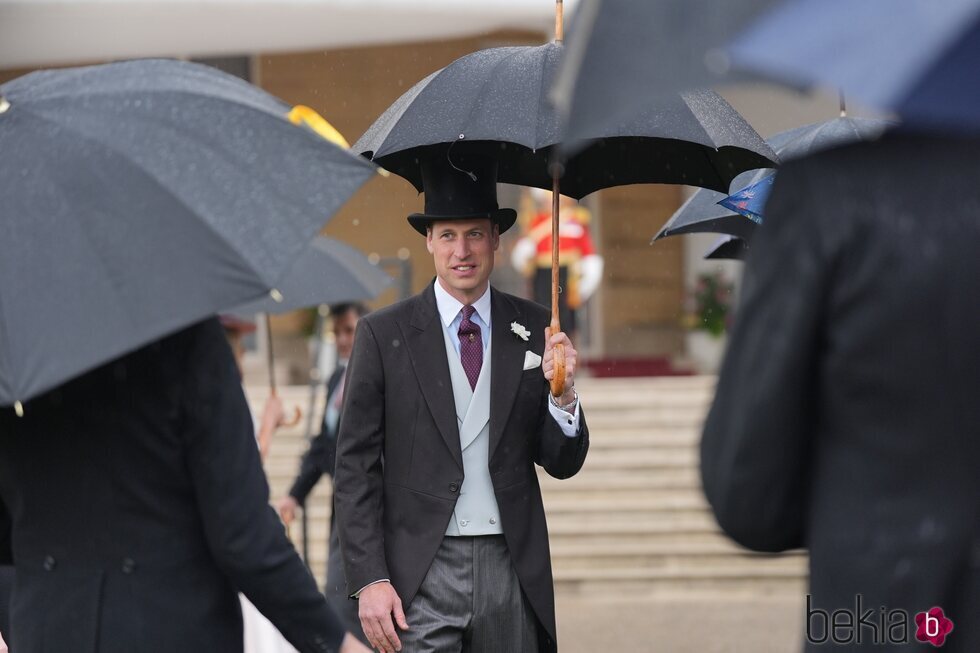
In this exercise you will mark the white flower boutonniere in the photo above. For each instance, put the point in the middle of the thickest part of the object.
(519, 329)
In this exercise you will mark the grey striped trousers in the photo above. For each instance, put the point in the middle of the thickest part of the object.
(470, 602)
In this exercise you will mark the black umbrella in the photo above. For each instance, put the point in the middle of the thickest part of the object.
(139, 197)
(702, 214)
(625, 55)
(728, 248)
(496, 99)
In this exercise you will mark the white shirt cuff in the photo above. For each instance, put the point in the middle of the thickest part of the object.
(567, 422)
(357, 594)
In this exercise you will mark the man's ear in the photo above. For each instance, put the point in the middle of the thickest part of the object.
(495, 235)
(428, 238)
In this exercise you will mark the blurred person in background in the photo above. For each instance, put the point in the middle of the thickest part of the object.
(580, 266)
(273, 416)
(321, 459)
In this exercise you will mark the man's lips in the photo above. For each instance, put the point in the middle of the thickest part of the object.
(464, 269)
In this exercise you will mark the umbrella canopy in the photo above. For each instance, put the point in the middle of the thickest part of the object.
(139, 197)
(728, 248)
(751, 200)
(625, 55)
(499, 96)
(702, 212)
(327, 272)
(915, 57)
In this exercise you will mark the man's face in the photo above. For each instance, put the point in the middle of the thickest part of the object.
(462, 251)
(343, 331)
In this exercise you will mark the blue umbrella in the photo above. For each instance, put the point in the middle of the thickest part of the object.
(751, 200)
(917, 58)
(702, 213)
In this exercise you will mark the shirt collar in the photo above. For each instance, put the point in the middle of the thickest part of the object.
(449, 307)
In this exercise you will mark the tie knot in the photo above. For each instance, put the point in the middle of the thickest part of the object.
(468, 312)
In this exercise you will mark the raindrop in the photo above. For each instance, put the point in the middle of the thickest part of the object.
(716, 61)
(404, 254)
(276, 296)
(374, 258)
(356, 221)
(395, 343)
(4, 105)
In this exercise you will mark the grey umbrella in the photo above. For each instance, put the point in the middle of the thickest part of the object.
(327, 272)
(625, 55)
(139, 197)
(702, 214)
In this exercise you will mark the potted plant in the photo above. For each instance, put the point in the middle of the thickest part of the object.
(707, 321)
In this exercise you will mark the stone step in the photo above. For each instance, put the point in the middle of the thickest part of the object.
(577, 525)
(599, 480)
(662, 501)
(602, 583)
(596, 560)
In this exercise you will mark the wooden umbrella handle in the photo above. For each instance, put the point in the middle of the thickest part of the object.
(558, 380)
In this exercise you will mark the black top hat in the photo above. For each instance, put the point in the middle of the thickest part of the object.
(460, 186)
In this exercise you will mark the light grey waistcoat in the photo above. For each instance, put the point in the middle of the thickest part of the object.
(476, 509)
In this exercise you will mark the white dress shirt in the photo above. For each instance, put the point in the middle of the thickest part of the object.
(450, 312)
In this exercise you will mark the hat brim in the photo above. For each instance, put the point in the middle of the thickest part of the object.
(503, 218)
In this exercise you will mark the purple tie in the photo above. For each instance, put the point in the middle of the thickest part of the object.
(470, 346)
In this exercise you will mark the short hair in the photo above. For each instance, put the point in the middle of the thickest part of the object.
(336, 310)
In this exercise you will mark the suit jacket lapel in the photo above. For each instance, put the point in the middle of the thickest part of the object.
(427, 348)
(508, 364)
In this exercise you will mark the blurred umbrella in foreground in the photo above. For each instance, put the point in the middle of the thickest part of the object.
(701, 213)
(751, 200)
(625, 55)
(728, 248)
(917, 58)
(140, 197)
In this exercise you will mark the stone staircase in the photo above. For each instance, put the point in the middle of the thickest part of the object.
(633, 522)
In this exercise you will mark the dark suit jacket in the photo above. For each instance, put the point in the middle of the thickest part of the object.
(399, 462)
(847, 417)
(321, 457)
(140, 509)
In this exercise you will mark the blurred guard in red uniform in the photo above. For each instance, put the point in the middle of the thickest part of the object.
(580, 268)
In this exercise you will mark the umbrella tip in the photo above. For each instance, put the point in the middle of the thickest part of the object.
(276, 296)
(19, 408)
(4, 105)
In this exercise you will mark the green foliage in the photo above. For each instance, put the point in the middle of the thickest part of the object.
(712, 303)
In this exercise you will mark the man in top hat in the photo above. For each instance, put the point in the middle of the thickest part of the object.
(447, 411)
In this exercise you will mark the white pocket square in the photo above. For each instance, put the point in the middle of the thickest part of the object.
(531, 360)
